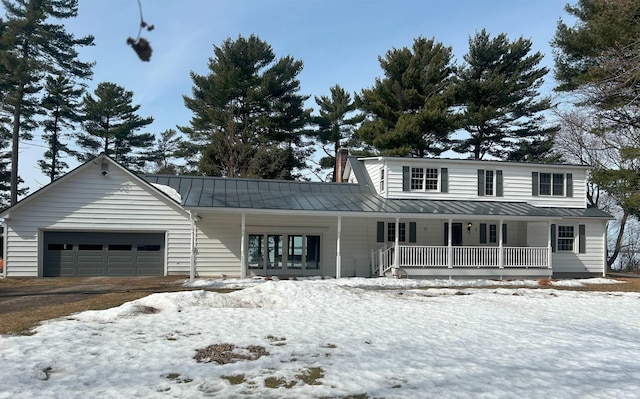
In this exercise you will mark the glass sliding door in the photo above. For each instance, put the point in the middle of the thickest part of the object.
(312, 258)
(294, 251)
(274, 246)
(255, 251)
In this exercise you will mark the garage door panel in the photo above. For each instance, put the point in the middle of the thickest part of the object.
(103, 254)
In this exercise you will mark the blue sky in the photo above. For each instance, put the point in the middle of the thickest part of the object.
(338, 41)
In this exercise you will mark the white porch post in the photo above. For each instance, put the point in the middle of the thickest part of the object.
(338, 256)
(243, 248)
(501, 248)
(396, 249)
(450, 245)
(550, 251)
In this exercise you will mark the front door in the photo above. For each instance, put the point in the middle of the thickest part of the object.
(456, 234)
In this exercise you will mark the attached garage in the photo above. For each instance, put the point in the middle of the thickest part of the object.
(81, 253)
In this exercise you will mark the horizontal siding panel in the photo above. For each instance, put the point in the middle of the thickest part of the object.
(89, 202)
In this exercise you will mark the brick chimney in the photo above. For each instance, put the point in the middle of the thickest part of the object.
(341, 162)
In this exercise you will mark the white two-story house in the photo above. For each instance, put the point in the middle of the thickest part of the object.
(429, 218)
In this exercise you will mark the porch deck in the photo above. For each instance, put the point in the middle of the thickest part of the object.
(462, 261)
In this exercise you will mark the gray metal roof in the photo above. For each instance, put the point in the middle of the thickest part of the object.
(217, 192)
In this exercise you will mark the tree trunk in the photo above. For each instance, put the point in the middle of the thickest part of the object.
(15, 135)
(616, 250)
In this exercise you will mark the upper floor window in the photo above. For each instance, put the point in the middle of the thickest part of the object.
(552, 184)
(490, 183)
(425, 179)
(381, 180)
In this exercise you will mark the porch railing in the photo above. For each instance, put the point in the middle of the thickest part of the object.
(478, 257)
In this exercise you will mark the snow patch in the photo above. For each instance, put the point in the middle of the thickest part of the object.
(169, 191)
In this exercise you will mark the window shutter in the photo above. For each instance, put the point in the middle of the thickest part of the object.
(406, 178)
(444, 180)
(412, 231)
(553, 238)
(499, 185)
(534, 184)
(380, 232)
(504, 233)
(481, 183)
(446, 233)
(582, 236)
(569, 178)
(483, 233)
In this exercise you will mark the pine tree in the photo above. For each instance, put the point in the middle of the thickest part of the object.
(409, 111)
(248, 116)
(110, 125)
(335, 128)
(61, 101)
(167, 147)
(498, 88)
(32, 48)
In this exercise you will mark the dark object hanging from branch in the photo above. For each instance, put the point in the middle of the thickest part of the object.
(141, 45)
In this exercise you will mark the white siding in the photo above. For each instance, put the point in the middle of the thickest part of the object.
(87, 201)
(574, 263)
(463, 181)
(373, 169)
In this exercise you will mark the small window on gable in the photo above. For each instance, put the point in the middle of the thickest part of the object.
(381, 180)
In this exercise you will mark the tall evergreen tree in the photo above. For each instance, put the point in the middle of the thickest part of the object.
(110, 124)
(61, 101)
(596, 60)
(335, 127)
(503, 112)
(409, 111)
(36, 47)
(166, 148)
(248, 116)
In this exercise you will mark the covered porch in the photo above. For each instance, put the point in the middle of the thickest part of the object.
(484, 253)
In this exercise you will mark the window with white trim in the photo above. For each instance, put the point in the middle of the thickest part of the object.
(552, 184)
(391, 232)
(275, 251)
(381, 180)
(424, 179)
(566, 238)
(493, 233)
(488, 182)
(417, 178)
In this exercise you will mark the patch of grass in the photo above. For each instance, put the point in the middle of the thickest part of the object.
(329, 346)
(177, 379)
(276, 341)
(235, 379)
(229, 353)
(311, 376)
(22, 322)
(275, 382)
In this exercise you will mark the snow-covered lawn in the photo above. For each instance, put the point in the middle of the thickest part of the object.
(337, 339)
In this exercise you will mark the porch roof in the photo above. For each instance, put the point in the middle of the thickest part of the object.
(216, 192)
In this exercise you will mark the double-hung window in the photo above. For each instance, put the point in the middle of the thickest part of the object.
(431, 179)
(417, 178)
(488, 182)
(391, 232)
(566, 238)
(554, 184)
(382, 180)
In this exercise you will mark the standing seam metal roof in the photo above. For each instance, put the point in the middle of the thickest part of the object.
(218, 192)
